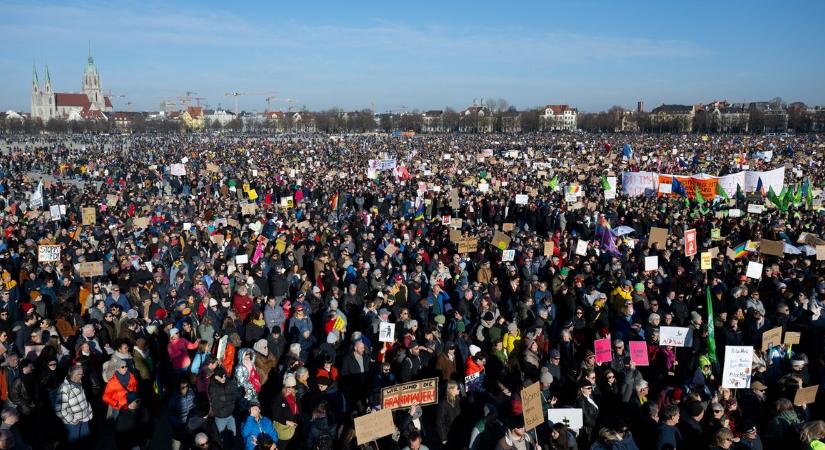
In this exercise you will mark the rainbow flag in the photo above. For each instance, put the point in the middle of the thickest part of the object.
(741, 250)
(419, 212)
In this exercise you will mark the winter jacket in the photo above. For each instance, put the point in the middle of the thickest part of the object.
(115, 394)
(223, 397)
(253, 428)
(446, 415)
(72, 407)
(247, 379)
(178, 350)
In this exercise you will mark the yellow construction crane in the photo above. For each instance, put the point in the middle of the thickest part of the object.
(246, 94)
(289, 101)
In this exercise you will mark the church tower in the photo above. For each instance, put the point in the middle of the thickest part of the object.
(91, 84)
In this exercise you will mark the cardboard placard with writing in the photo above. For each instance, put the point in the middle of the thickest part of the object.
(248, 209)
(90, 269)
(111, 200)
(374, 425)
(456, 222)
(140, 223)
(768, 247)
(500, 240)
(455, 235)
(820, 252)
(48, 253)
(805, 395)
(89, 216)
(549, 247)
(390, 250)
(531, 406)
(706, 262)
(508, 226)
(422, 392)
(792, 337)
(467, 245)
(659, 236)
(771, 338)
(454, 203)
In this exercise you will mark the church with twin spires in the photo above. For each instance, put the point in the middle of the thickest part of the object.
(91, 104)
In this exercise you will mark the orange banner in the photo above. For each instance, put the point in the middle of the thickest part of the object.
(706, 187)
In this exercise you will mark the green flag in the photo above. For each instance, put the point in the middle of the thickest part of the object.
(797, 196)
(605, 183)
(810, 196)
(739, 194)
(554, 182)
(711, 331)
(773, 198)
(720, 191)
(698, 196)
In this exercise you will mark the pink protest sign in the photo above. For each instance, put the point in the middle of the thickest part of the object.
(638, 353)
(602, 349)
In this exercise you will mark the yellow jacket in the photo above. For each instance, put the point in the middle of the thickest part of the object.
(508, 341)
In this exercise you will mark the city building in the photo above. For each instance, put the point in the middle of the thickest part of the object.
(675, 118)
(433, 122)
(193, 118)
(476, 119)
(91, 104)
(559, 118)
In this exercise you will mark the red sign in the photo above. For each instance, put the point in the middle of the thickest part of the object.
(602, 350)
(690, 242)
(638, 353)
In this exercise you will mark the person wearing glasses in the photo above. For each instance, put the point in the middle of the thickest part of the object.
(119, 386)
(590, 411)
(722, 440)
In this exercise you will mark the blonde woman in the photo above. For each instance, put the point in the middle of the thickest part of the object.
(813, 434)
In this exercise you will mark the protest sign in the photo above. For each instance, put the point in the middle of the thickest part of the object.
(455, 236)
(651, 263)
(48, 253)
(771, 338)
(734, 212)
(90, 269)
(508, 255)
(521, 199)
(111, 200)
(572, 418)
(754, 270)
(736, 373)
(805, 395)
(775, 248)
(500, 240)
(241, 259)
(214, 168)
(549, 246)
(715, 234)
(581, 247)
(390, 250)
(638, 353)
(475, 382)
(89, 216)
(445, 220)
(54, 212)
(248, 209)
(507, 226)
(455, 222)
(706, 262)
(820, 252)
(675, 336)
(374, 425)
(531, 406)
(140, 223)
(602, 349)
(755, 208)
(386, 332)
(690, 242)
(422, 392)
(222, 343)
(658, 236)
(177, 169)
(792, 337)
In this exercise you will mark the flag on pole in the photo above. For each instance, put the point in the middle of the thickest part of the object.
(711, 331)
(760, 188)
(605, 183)
(554, 182)
(333, 201)
(698, 196)
(677, 188)
(419, 212)
(720, 191)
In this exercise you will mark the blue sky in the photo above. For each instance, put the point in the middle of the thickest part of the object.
(422, 55)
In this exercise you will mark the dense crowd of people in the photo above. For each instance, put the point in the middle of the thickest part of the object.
(244, 281)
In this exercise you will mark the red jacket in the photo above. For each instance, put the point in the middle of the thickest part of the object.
(115, 394)
(243, 306)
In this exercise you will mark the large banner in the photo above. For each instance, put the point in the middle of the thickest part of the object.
(635, 184)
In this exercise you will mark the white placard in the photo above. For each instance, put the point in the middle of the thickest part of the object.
(386, 332)
(738, 366)
(184, 160)
(521, 199)
(508, 255)
(571, 417)
(581, 248)
(754, 270)
(178, 170)
(483, 187)
(651, 263)
(241, 259)
(54, 211)
(755, 208)
(187, 226)
(665, 188)
(734, 212)
(675, 336)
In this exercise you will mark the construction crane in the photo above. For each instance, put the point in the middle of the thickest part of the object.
(290, 102)
(245, 94)
(198, 99)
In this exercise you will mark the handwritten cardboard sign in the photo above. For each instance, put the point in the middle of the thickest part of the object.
(467, 245)
(531, 406)
(638, 353)
(706, 262)
(737, 371)
(768, 247)
(651, 263)
(658, 236)
(89, 216)
(805, 395)
(421, 392)
(549, 246)
(90, 269)
(372, 426)
(248, 209)
(500, 240)
(771, 338)
(792, 337)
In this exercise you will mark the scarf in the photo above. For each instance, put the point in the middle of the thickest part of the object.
(293, 405)
(123, 379)
(259, 322)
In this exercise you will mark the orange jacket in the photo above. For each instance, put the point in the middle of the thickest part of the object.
(228, 362)
(115, 395)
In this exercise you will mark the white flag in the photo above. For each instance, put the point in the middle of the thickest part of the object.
(37, 196)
